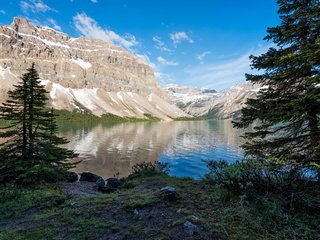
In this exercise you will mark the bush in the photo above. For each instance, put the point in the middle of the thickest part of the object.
(42, 173)
(148, 168)
(251, 178)
(247, 177)
(142, 170)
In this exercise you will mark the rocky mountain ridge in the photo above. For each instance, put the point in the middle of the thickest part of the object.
(81, 73)
(205, 102)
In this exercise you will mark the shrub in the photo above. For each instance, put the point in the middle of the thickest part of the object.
(148, 168)
(42, 173)
(246, 177)
(251, 178)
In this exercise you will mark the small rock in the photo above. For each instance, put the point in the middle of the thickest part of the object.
(179, 211)
(72, 177)
(89, 177)
(169, 193)
(106, 189)
(113, 182)
(190, 227)
(100, 182)
(168, 189)
(136, 214)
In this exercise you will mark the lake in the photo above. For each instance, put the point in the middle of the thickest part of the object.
(186, 146)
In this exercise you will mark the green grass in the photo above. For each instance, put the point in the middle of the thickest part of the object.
(16, 202)
(190, 118)
(141, 200)
(2, 122)
(64, 115)
(46, 213)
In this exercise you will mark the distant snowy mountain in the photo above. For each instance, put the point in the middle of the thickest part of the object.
(205, 102)
(192, 100)
(82, 74)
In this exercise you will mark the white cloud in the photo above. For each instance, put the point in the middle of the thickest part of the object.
(35, 6)
(166, 62)
(201, 56)
(88, 27)
(179, 37)
(145, 59)
(160, 45)
(2, 11)
(158, 41)
(132, 39)
(164, 78)
(219, 76)
(54, 24)
(94, 1)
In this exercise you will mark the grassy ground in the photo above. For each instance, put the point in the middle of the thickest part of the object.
(64, 115)
(190, 118)
(86, 117)
(138, 211)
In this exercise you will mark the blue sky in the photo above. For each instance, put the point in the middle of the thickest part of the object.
(192, 42)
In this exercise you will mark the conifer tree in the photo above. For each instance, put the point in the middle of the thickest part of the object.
(49, 150)
(287, 107)
(31, 145)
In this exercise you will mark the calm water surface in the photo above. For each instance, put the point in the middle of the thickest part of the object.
(112, 150)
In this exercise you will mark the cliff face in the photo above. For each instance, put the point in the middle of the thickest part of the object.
(82, 73)
(204, 102)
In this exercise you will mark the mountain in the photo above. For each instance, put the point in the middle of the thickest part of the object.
(192, 100)
(81, 73)
(205, 102)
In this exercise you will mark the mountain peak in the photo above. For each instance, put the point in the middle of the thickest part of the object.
(82, 73)
(22, 25)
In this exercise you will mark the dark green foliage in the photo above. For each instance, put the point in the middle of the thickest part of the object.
(265, 180)
(288, 106)
(51, 152)
(250, 176)
(148, 168)
(195, 118)
(76, 116)
(30, 152)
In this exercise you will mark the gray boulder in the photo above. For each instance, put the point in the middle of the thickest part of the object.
(190, 227)
(100, 182)
(113, 182)
(89, 177)
(72, 177)
(169, 193)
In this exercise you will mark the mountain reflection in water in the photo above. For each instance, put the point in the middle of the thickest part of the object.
(112, 150)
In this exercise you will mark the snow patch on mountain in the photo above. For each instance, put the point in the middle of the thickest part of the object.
(82, 74)
(82, 63)
(184, 95)
(206, 102)
(99, 102)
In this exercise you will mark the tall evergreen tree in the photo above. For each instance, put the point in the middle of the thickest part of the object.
(31, 143)
(49, 146)
(287, 107)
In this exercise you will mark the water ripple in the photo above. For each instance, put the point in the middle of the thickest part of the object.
(184, 146)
